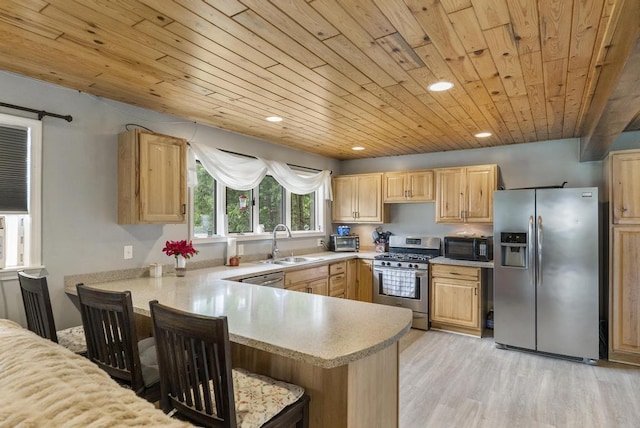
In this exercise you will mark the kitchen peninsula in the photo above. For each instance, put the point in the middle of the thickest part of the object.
(343, 352)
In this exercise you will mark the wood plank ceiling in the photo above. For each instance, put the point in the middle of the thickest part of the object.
(340, 72)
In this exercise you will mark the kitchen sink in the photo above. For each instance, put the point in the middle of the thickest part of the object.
(290, 260)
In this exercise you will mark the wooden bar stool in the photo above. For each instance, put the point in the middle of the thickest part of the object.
(37, 307)
(198, 384)
(112, 343)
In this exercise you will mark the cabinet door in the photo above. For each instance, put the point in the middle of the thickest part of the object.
(300, 286)
(625, 201)
(624, 343)
(344, 198)
(449, 195)
(365, 280)
(352, 279)
(162, 179)
(338, 285)
(454, 302)
(480, 182)
(319, 286)
(420, 186)
(395, 187)
(369, 200)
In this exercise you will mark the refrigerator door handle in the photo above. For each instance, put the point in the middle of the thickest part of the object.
(540, 251)
(531, 253)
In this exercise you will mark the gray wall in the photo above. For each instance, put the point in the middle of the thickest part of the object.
(80, 234)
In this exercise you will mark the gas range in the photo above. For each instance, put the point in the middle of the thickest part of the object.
(409, 252)
(401, 260)
(401, 276)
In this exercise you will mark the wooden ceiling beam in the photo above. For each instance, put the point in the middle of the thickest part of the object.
(616, 100)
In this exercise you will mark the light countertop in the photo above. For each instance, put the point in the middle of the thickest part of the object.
(319, 330)
(447, 261)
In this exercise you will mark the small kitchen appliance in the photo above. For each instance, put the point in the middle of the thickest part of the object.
(344, 230)
(344, 243)
(546, 271)
(474, 248)
(401, 276)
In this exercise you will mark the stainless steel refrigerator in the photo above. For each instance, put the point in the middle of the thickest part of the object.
(546, 271)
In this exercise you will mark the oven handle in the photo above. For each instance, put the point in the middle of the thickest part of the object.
(419, 272)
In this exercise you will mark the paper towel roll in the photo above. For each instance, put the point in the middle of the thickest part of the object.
(231, 248)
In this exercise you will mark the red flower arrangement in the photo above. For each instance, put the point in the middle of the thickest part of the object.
(179, 248)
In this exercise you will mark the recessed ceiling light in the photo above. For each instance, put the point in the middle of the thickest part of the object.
(357, 148)
(274, 119)
(483, 134)
(440, 86)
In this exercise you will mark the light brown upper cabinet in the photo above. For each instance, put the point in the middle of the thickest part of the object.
(465, 194)
(410, 186)
(152, 178)
(358, 199)
(625, 187)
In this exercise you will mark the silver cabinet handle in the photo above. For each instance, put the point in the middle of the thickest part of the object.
(540, 251)
(531, 250)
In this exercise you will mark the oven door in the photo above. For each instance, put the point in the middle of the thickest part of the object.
(405, 288)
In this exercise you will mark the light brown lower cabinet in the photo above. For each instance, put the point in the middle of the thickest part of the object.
(338, 279)
(311, 280)
(624, 325)
(365, 280)
(456, 302)
(352, 279)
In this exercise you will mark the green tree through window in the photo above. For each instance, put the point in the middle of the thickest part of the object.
(239, 219)
(270, 203)
(303, 211)
(204, 204)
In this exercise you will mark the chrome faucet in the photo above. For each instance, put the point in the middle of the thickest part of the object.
(274, 243)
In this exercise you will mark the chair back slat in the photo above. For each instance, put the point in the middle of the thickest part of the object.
(37, 305)
(110, 332)
(194, 358)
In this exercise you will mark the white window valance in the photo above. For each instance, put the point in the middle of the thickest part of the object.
(244, 173)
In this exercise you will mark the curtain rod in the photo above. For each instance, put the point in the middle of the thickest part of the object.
(41, 113)
(253, 157)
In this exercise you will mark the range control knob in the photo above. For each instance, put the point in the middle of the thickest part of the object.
(410, 266)
(399, 264)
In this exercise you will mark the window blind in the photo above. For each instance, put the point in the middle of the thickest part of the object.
(14, 169)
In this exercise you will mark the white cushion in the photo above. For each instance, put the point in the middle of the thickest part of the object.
(73, 339)
(259, 398)
(149, 361)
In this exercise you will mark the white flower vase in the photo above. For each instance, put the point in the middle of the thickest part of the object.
(181, 265)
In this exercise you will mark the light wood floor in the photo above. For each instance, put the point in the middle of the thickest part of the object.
(449, 380)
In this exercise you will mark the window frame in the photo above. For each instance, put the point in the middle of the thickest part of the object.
(221, 227)
(33, 236)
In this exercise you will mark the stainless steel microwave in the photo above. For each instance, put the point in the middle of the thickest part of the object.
(475, 248)
(344, 243)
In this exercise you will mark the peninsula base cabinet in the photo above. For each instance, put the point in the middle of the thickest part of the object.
(360, 394)
(456, 299)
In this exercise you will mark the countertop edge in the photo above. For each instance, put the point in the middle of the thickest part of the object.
(317, 361)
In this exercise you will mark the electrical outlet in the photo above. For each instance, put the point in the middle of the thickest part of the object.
(320, 242)
(128, 252)
(240, 250)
